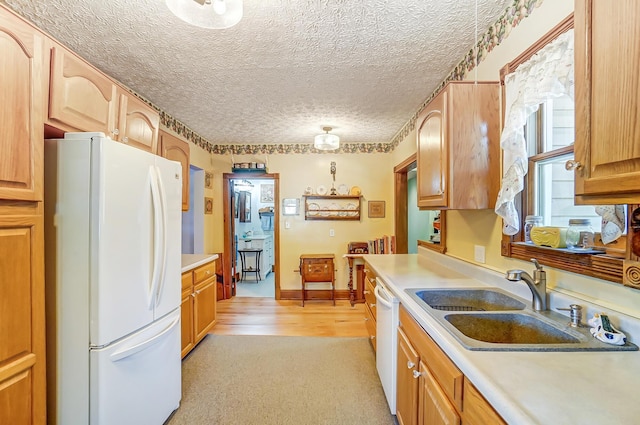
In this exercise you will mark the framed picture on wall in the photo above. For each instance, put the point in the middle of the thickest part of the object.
(208, 205)
(208, 180)
(266, 193)
(376, 209)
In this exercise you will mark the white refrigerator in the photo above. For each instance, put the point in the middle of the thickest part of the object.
(113, 238)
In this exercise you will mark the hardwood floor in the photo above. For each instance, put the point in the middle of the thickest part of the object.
(266, 316)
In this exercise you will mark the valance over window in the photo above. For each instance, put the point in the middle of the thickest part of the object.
(547, 75)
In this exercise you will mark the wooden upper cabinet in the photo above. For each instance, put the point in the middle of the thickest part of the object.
(176, 149)
(459, 148)
(81, 98)
(138, 123)
(607, 98)
(21, 100)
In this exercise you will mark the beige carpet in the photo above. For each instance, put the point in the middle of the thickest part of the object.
(281, 380)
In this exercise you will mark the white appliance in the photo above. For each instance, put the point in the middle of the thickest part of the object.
(387, 341)
(113, 238)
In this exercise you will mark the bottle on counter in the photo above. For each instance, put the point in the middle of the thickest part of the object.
(580, 234)
(530, 222)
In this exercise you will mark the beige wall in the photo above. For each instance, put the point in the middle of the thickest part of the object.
(371, 172)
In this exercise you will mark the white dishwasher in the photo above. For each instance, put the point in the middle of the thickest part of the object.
(387, 341)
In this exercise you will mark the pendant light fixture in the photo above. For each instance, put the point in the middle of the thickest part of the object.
(326, 141)
(215, 14)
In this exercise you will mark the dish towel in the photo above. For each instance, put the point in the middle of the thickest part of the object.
(600, 332)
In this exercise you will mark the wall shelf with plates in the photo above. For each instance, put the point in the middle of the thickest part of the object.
(332, 207)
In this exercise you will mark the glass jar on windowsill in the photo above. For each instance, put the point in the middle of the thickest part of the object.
(580, 234)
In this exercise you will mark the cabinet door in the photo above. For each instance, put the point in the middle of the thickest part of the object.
(435, 408)
(80, 97)
(432, 154)
(21, 100)
(204, 308)
(477, 411)
(177, 150)
(138, 123)
(407, 389)
(186, 317)
(22, 332)
(607, 94)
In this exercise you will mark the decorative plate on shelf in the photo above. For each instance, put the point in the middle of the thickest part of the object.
(308, 190)
(333, 208)
(343, 189)
(324, 212)
(321, 190)
(355, 191)
(351, 206)
(313, 209)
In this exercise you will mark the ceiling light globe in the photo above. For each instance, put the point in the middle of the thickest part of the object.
(206, 14)
(326, 141)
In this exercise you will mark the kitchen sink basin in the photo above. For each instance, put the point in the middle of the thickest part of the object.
(467, 299)
(508, 328)
(491, 319)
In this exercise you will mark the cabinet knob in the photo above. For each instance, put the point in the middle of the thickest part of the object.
(573, 165)
(410, 364)
(372, 337)
(115, 132)
(125, 139)
(372, 305)
(416, 374)
(366, 292)
(208, 271)
(366, 319)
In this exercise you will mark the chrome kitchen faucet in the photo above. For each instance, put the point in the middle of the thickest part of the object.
(537, 284)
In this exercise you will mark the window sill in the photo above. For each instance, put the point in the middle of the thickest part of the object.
(601, 265)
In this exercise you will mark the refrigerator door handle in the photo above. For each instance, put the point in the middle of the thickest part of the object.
(164, 227)
(130, 351)
(157, 236)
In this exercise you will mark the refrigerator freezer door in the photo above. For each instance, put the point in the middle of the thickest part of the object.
(168, 290)
(137, 380)
(123, 221)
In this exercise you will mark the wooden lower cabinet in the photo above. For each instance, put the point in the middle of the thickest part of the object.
(22, 315)
(431, 390)
(370, 304)
(198, 308)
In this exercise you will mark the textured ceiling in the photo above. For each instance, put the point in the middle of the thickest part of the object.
(286, 70)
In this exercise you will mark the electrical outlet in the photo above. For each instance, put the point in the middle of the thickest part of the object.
(478, 254)
(332, 232)
(287, 225)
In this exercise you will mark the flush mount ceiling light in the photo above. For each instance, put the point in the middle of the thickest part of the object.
(217, 14)
(326, 141)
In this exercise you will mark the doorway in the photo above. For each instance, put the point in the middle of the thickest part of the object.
(251, 234)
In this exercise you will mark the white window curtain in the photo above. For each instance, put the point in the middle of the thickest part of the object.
(548, 74)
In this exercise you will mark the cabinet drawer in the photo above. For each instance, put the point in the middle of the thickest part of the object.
(317, 270)
(187, 280)
(204, 272)
(370, 298)
(370, 323)
(443, 369)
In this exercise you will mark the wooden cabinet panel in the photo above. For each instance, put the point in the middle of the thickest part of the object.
(186, 318)
(22, 351)
(80, 97)
(607, 96)
(21, 100)
(204, 307)
(138, 123)
(477, 411)
(435, 408)
(407, 383)
(176, 149)
(459, 148)
(204, 272)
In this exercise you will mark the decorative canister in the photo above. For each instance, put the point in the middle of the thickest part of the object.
(580, 234)
(531, 221)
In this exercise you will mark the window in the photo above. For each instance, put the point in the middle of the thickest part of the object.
(548, 187)
(549, 133)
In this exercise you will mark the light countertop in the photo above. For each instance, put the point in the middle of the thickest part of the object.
(524, 387)
(191, 261)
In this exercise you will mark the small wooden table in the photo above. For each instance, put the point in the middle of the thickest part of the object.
(246, 267)
(356, 264)
(318, 268)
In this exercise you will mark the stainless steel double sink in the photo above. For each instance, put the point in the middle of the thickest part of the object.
(491, 319)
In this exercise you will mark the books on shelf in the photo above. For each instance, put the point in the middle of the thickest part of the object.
(383, 245)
